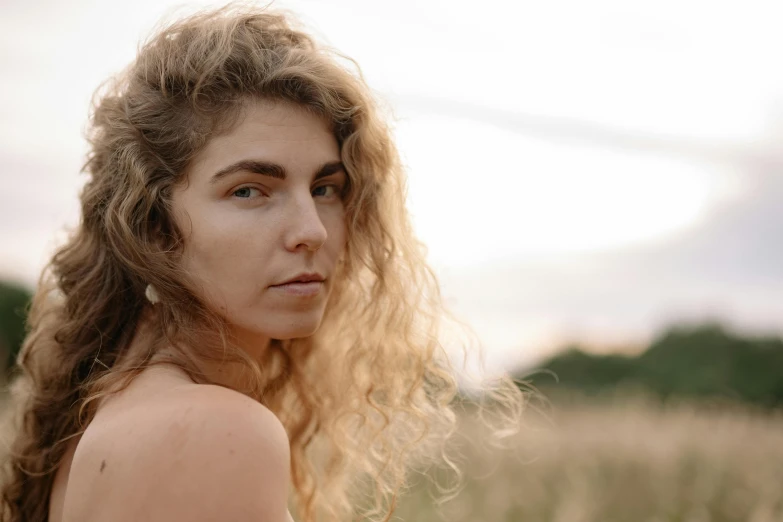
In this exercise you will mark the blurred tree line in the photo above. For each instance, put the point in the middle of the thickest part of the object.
(14, 300)
(696, 361)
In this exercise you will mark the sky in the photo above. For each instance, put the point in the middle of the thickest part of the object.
(585, 171)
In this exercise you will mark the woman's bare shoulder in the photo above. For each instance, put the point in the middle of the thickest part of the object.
(196, 452)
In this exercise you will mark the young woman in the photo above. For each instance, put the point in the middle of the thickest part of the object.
(243, 306)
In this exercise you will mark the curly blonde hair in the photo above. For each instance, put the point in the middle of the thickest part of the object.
(372, 392)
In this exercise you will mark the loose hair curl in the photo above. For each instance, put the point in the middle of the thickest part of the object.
(371, 393)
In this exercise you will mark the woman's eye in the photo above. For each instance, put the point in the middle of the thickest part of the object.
(326, 191)
(245, 192)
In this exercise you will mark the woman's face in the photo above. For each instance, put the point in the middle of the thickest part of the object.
(261, 205)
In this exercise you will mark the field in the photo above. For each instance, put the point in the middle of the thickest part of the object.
(618, 460)
(627, 459)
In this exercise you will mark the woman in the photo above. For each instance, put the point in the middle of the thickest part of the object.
(243, 304)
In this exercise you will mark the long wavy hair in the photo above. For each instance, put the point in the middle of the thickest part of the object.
(363, 399)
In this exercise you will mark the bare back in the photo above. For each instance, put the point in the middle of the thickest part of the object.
(83, 463)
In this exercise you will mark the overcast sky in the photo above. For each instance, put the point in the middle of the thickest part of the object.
(586, 170)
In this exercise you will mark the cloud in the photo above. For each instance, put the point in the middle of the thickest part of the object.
(730, 266)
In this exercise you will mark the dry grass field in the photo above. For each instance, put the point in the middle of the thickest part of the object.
(618, 460)
(625, 459)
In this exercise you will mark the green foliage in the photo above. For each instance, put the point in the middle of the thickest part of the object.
(14, 300)
(588, 373)
(702, 361)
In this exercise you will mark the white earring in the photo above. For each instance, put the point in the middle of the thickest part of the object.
(152, 294)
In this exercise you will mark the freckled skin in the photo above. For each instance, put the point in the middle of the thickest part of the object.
(248, 231)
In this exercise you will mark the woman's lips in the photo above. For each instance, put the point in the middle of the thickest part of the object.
(301, 289)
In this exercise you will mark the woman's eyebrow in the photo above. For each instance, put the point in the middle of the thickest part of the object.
(273, 170)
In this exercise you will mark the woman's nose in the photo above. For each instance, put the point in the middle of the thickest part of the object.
(304, 225)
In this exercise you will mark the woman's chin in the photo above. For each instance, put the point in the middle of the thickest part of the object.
(297, 330)
(281, 326)
(296, 333)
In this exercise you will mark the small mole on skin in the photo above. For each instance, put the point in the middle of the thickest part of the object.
(103, 465)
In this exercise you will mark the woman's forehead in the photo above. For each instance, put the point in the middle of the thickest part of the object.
(277, 132)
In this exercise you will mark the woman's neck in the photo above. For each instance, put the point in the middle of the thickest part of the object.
(231, 374)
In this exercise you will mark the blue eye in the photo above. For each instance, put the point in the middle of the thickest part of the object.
(329, 193)
(244, 192)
